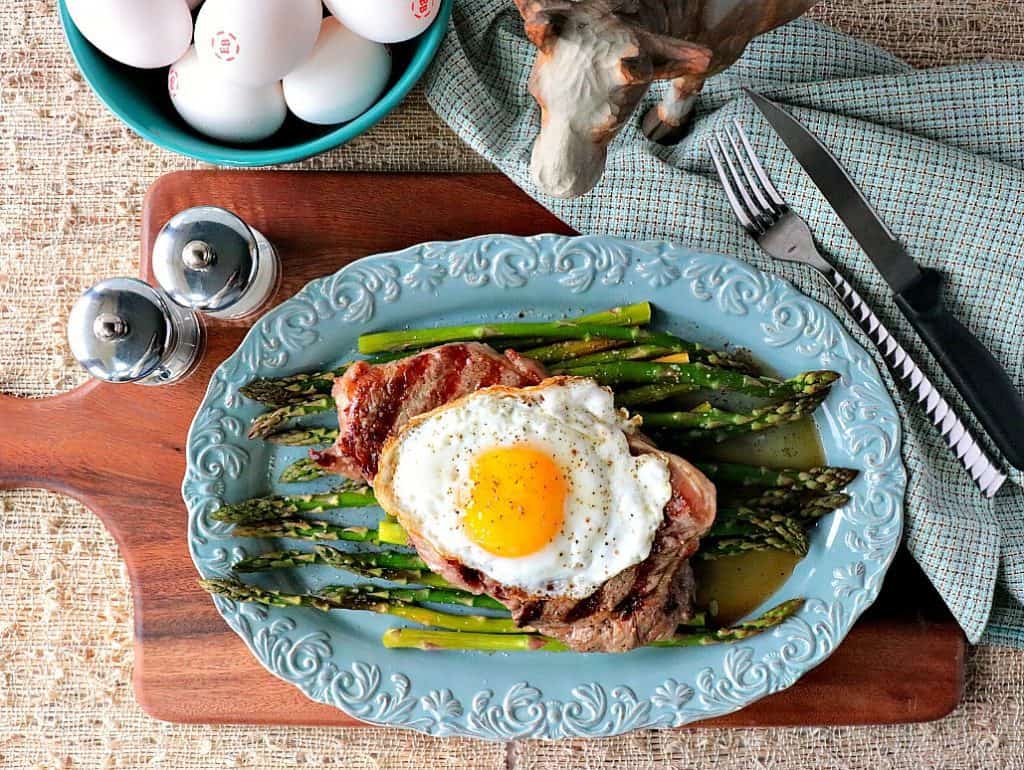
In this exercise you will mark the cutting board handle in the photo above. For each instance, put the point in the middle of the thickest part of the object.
(43, 441)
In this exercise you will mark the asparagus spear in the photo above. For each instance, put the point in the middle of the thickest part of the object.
(268, 422)
(413, 638)
(706, 423)
(452, 596)
(441, 640)
(707, 417)
(317, 530)
(570, 350)
(402, 568)
(821, 506)
(553, 330)
(304, 437)
(388, 531)
(332, 557)
(538, 349)
(273, 508)
(636, 314)
(341, 594)
(282, 391)
(241, 592)
(752, 524)
(632, 353)
(701, 377)
(296, 388)
(823, 479)
(650, 394)
(716, 547)
(301, 529)
(647, 352)
(771, 618)
(301, 470)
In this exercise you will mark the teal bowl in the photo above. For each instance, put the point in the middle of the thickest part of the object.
(140, 99)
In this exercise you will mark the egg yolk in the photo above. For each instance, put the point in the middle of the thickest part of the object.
(516, 500)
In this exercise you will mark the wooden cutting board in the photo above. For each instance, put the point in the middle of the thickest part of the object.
(121, 451)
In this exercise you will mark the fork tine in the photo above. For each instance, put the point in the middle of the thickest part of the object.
(743, 162)
(730, 193)
(755, 211)
(762, 175)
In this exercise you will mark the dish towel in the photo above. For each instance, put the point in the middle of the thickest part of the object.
(939, 152)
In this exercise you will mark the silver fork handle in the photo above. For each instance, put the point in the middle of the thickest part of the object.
(958, 438)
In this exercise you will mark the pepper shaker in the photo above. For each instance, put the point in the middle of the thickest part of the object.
(123, 330)
(207, 259)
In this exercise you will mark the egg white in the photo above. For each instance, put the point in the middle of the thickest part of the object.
(615, 501)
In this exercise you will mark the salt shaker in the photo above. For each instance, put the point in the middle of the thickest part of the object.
(207, 259)
(124, 330)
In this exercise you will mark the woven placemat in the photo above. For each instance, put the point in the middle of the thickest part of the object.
(71, 186)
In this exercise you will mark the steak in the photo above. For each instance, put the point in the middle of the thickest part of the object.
(640, 605)
(375, 400)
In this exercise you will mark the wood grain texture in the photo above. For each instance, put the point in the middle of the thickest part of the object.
(121, 451)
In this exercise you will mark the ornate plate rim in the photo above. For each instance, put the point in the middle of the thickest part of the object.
(595, 710)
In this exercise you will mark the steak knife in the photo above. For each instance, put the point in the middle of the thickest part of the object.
(981, 380)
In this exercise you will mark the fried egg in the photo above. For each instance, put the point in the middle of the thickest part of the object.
(534, 487)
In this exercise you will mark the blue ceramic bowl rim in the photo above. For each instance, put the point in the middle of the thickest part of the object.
(427, 46)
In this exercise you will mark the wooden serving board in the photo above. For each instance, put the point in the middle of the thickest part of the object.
(121, 451)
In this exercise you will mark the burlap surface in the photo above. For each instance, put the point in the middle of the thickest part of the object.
(72, 183)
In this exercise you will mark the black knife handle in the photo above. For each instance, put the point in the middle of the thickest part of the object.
(981, 380)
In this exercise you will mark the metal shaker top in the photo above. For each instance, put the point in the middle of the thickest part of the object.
(121, 329)
(206, 258)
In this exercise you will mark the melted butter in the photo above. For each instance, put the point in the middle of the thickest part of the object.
(795, 445)
(736, 585)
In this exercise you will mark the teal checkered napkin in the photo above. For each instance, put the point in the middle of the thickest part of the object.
(940, 152)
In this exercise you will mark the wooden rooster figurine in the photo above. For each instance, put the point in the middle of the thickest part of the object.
(597, 58)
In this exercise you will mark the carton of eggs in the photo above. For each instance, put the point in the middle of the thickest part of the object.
(254, 60)
(140, 33)
(385, 21)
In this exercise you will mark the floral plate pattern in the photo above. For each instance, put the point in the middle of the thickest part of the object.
(337, 658)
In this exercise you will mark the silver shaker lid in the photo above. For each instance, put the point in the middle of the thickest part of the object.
(205, 258)
(120, 329)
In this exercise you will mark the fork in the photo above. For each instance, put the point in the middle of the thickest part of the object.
(782, 234)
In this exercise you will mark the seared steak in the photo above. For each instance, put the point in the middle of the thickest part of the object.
(375, 400)
(642, 604)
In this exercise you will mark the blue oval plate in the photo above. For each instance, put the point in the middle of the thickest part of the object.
(337, 658)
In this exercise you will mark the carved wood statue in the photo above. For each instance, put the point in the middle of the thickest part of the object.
(597, 58)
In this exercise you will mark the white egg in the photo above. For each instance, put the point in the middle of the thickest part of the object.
(385, 21)
(221, 109)
(534, 487)
(341, 79)
(139, 33)
(255, 42)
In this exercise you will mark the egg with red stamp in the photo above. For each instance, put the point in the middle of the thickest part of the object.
(256, 42)
(385, 21)
(140, 33)
(535, 488)
(341, 79)
(221, 109)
